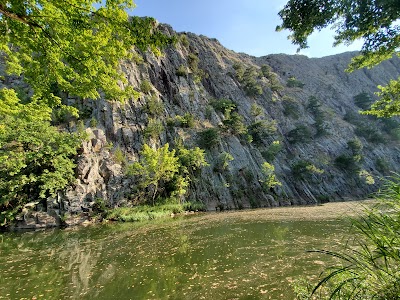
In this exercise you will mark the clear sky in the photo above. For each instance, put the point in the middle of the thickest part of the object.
(243, 26)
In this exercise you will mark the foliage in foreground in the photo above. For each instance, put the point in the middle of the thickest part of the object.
(369, 266)
(35, 158)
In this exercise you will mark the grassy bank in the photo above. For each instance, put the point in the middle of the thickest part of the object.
(146, 212)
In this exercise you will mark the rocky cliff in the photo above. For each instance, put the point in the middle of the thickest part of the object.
(297, 113)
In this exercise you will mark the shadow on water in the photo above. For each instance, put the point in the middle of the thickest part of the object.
(202, 257)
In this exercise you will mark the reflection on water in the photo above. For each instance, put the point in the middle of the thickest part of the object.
(187, 258)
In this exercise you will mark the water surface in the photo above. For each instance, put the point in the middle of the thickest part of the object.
(237, 255)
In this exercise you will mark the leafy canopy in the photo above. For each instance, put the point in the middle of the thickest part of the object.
(61, 48)
(376, 22)
(74, 45)
(35, 158)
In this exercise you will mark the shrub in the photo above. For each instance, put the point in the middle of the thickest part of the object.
(300, 134)
(193, 62)
(184, 40)
(234, 123)
(382, 165)
(185, 121)
(223, 105)
(157, 170)
(146, 87)
(363, 100)
(347, 162)
(293, 82)
(191, 160)
(271, 152)
(314, 106)
(355, 146)
(256, 110)
(154, 106)
(208, 138)
(250, 84)
(154, 129)
(239, 71)
(291, 107)
(93, 123)
(266, 71)
(262, 129)
(181, 71)
(269, 181)
(276, 86)
(119, 156)
(369, 133)
(366, 176)
(222, 162)
(304, 169)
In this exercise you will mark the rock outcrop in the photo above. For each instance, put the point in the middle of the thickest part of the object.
(300, 113)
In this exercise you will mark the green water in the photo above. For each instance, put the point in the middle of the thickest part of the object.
(198, 257)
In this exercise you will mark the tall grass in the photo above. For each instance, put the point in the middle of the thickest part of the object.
(147, 212)
(369, 266)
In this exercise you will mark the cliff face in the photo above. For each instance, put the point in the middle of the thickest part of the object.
(299, 112)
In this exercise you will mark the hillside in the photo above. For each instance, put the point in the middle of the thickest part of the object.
(297, 113)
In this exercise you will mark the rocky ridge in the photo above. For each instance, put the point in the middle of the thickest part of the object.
(310, 101)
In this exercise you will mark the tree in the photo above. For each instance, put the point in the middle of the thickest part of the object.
(156, 167)
(60, 48)
(371, 20)
(74, 46)
(35, 158)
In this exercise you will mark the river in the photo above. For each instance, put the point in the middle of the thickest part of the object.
(255, 254)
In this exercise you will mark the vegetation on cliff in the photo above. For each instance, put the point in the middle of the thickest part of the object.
(63, 49)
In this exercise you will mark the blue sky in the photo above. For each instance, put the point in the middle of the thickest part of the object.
(243, 26)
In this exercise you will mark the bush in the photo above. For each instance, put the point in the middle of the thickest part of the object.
(269, 181)
(223, 105)
(154, 106)
(347, 163)
(262, 129)
(185, 121)
(146, 87)
(293, 82)
(250, 84)
(291, 107)
(181, 71)
(256, 110)
(234, 123)
(369, 133)
(222, 162)
(276, 86)
(266, 71)
(93, 123)
(193, 62)
(301, 134)
(184, 40)
(304, 169)
(314, 106)
(363, 100)
(208, 138)
(382, 165)
(119, 156)
(273, 149)
(154, 129)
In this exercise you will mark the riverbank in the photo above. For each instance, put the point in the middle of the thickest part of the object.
(330, 210)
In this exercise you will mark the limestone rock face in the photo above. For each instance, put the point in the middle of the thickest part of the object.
(310, 101)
